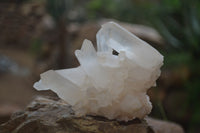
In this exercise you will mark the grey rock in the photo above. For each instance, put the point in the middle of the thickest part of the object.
(53, 115)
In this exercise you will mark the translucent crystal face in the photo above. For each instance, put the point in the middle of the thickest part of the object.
(113, 86)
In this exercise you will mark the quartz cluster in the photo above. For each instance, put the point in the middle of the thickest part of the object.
(107, 84)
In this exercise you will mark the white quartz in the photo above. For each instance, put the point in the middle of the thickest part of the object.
(113, 86)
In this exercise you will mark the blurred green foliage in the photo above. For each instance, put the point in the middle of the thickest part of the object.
(125, 10)
(179, 24)
(58, 8)
(36, 46)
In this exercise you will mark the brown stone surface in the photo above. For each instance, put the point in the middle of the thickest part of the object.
(48, 115)
(159, 126)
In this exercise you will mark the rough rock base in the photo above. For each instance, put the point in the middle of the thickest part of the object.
(47, 115)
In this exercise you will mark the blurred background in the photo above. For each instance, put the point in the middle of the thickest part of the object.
(38, 35)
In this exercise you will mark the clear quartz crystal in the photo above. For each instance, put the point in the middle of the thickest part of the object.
(113, 86)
